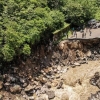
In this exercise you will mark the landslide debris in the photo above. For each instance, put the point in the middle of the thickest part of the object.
(35, 77)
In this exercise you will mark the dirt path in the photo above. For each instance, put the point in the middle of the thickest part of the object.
(82, 74)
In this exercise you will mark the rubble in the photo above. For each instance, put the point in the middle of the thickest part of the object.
(37, 78)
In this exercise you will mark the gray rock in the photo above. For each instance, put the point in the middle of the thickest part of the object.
(42, 97)
(83, 62)
(10, 78)
(60, 85)
(15, 89)
(38, 87)
(95, 96)
(95, 52)
(73, 66)
(31, 98)
(25, 97)
(64, 96)
(52, 77)
(51, 94)
(77, 64)
(43, 90)
(98, 83)
(93, 81)
(22, 80)
(7, 85)
(55, 70)
(47, 76)
(59, 68)
(89, 53)
(58, 76)
(24, 85)
(64, 70)
(42, 79)
(48, 84)
(28, 88)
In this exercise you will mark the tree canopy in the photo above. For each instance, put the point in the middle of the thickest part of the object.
(25, 22)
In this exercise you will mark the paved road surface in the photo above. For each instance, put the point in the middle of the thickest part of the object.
(94, 33)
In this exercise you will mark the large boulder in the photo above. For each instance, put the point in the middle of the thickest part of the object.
(89, 53)
(42, 79)
(64, 96)
(51, 94)
(15, 89)
(28, 88)
(77, 64)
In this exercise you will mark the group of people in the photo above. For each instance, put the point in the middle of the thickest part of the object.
(84, 32)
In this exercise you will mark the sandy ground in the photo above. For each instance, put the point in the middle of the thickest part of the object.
(82, 73)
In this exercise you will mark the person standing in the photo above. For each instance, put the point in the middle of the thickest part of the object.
(90, 32)
(73, 31)
(82, 35)
(85, 35)
(67, 36)
(86, 29)
(76, 35)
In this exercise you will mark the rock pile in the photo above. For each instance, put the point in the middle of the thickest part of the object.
(95, 96)
(37, 83)
(95, 80)
(37, 88)
(76, 52)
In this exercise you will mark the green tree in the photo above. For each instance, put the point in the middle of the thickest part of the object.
(56, 4)
(78, 12)
(58, 19)
(73, 12)
(24, 23)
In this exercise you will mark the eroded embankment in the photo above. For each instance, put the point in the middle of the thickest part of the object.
(46, 75)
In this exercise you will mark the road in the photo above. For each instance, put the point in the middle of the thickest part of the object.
(94, 33)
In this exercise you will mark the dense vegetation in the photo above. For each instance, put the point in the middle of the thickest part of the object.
(24, 23)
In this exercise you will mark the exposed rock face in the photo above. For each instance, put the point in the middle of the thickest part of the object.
(69, 52)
